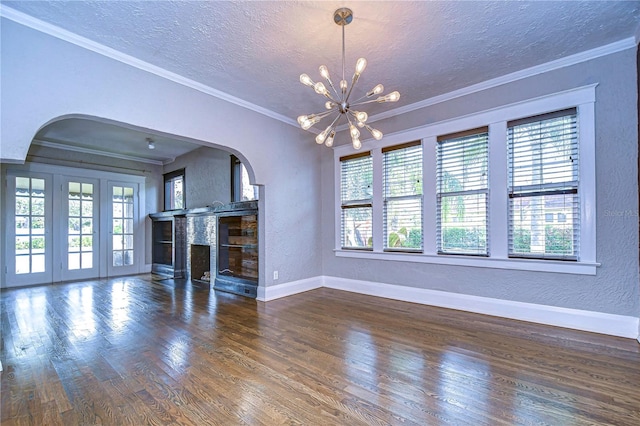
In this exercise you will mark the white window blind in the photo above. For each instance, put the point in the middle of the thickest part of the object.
(544, 208)
(402, 177)
(356, 191)
(462, 193)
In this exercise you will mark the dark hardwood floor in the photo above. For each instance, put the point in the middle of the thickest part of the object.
(134, 351)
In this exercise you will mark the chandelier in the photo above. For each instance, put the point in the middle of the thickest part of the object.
(339, 101)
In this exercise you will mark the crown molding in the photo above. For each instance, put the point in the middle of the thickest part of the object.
(587, 55)
(54, 31)
(61, 145)
(62, 34)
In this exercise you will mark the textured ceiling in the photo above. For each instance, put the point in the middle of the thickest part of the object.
(256, 51)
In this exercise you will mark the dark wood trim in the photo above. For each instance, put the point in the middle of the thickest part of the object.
(354, 156)
(401, 146)
(547, 116)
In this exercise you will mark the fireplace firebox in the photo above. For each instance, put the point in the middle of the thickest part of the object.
(200, 263)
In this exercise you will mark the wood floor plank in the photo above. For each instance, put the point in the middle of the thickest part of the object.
(140, 350)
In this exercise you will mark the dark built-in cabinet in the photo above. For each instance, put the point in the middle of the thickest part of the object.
(237, 269)
(169, 240)
(235, 244)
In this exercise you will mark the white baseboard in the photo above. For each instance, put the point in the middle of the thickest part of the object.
(577, 319)
(273, 292)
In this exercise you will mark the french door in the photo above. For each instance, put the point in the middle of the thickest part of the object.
(62, 227)
(81, 220)
(122, 251)
(29, 240)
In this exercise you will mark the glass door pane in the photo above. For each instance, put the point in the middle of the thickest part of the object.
(30, 235)
(123, 210)
(81, 225)
(28, 242)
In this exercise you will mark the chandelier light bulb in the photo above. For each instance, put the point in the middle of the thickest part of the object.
(361, 65)
(353, 130)
(361, 116)
(360, 124)
(329, 141)
(306, 80)
(310, 121)
(343, 85)
(356, 143)
(329, 104)
(320, 88)
(375, 91)
(391, 97)
(377, 134)
(324, 72)
(323, 136)
(302, 118)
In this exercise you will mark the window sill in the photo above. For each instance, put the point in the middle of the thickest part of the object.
(562, 267)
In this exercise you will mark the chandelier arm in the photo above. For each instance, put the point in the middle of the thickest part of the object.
(334, 122)
(360, 98)
(333, 88)
(353, 114)
(328, 95)
(365, 102)
(323, 114)
(354, 80)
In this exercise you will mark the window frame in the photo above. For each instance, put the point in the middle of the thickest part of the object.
(170, 178)
(582, 98)
(440, 194)
(349, 204)
(537, 191)
(389, 198)
(238, 169)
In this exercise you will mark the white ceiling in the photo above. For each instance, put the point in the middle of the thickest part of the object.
(256, 50)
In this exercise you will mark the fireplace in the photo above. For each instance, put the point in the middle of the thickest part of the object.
(200, 263)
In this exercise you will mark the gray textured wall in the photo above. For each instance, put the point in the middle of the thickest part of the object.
(208, 176)
(44, 78)
(614, 289)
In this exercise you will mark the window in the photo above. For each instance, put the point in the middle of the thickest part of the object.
(356, 191)
(462, 193)
(174, 193)
(241, 188)
(506, 194)
(543, 179)
(402, 171)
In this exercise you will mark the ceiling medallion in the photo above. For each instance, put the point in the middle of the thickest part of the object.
(341, 104)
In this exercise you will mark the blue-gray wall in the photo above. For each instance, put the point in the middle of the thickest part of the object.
(614, 288)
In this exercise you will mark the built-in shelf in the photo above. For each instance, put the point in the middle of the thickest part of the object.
(234, 252)
(237, 269)
(168, 244)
